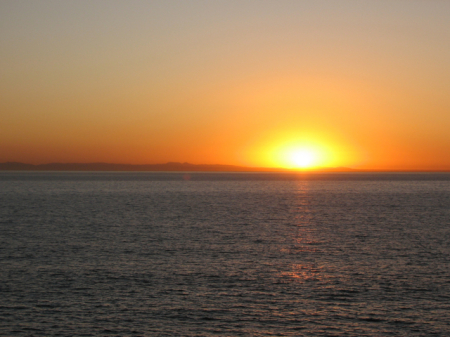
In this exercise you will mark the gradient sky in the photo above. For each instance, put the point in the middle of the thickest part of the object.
(362, 84)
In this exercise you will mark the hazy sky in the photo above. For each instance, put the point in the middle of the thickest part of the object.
(363, 84)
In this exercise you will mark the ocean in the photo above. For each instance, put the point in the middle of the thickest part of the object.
(224, 254)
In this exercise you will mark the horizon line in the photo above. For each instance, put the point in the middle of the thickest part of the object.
(183, 167)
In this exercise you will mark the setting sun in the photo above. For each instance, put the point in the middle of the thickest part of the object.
(304, 155)
(298, 149)
(303, 158)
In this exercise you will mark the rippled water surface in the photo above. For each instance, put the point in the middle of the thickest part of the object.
(173, 254)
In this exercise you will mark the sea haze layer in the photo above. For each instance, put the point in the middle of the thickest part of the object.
(224, 254)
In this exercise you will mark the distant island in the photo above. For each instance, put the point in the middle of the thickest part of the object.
(167, 167)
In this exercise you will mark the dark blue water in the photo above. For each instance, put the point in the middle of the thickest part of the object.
(174, 254)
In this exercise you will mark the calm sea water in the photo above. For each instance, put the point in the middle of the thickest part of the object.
(174, 254)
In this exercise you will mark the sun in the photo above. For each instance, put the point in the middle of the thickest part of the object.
(289, 150)
(302, 158)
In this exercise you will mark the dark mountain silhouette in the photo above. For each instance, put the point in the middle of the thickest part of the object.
(171, 166)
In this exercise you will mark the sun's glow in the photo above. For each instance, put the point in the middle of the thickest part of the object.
(302, 158)
(300, 154)
(297, 149)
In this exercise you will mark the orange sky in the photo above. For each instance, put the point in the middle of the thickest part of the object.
(361, 84)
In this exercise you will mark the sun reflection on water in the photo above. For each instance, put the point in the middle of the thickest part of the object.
(303, 273)
(303, 241)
